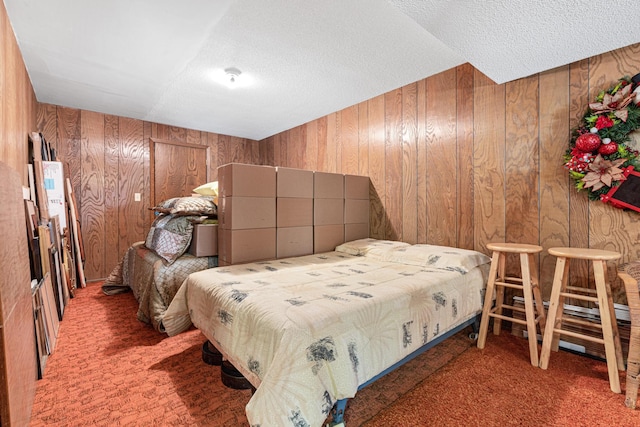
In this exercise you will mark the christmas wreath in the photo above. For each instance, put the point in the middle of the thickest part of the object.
(599, 155)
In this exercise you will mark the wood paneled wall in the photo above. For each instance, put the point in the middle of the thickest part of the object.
(17, 101)
(456, 159)
(18, 366)
(108, 162)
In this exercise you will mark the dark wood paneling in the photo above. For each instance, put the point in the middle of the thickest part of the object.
(489, 161)
(521, 164)
(111, 193)
(177, 168)
(348, 138)
(441, 159)
(377, 171)
(465, 165)
(363, 139)
(92, 192)
(409, 163)
(393, 164)
(18, 117)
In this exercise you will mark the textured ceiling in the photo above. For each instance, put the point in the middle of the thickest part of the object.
(156, 60)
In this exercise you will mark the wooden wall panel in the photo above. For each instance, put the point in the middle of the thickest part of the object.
(111, 194)
(68, 146)
(296, 147)
(554, 181)
(132, 217)
(377, 171)
(441, 159)
(349, 146)
(311, 145)
(409, 163)
(92, 194)
(489, 156)
(18, 117)
(521, 164)
(393, 164)
(465, 165)
(421, 162)
(363, 139)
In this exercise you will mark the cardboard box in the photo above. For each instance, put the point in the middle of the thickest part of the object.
(294, 183)
(294, 212)
(241, 246)
(356, 187)
(238, 179)
(328, 185)
(355, 231)
(204, 240)
(327, 237)
(328, 211)
(239, 213)
(294, 241)
(356, 211)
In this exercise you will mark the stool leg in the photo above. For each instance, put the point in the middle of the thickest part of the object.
(537, 296)
(502, 266)
(488, 300)
(607, 326)
(528, 308)
(614, 321)
(556, 306)
(633, 368)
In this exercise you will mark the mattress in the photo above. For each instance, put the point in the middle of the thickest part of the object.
(307, 331)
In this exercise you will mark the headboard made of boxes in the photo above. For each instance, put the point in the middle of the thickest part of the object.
(267, 212)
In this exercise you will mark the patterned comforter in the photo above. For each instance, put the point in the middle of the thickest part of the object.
(153, 282)
(307, 331)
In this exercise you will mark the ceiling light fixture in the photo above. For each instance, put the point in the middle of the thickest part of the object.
(232, 75)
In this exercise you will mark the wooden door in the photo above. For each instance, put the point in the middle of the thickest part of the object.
(176, 169)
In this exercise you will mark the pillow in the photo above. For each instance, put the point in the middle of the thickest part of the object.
(442, 257)
(369, 247)
(170, 236)
(208, 189)
(187, 206)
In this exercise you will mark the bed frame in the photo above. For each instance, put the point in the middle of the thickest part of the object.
(340, 406)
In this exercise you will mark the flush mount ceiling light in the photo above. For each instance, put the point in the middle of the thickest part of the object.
(232, 75)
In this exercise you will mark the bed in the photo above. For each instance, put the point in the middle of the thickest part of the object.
(307, 332)
(154, 269)
(153, 282)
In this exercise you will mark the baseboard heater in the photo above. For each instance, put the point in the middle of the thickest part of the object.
(590, 314)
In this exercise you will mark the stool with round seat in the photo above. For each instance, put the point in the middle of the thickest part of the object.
(600, 296)
(527, 283)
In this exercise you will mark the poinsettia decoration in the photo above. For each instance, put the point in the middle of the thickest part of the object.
(598, 151)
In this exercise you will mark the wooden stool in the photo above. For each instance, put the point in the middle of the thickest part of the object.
(608, 324)
(527, 283)
(630, 276)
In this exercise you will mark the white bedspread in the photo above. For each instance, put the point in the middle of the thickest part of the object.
(308, 331)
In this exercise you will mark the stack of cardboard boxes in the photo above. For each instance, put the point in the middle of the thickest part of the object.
(328, 211)
(356, 207)
(294, 210)
(246, 213)
(267, 213)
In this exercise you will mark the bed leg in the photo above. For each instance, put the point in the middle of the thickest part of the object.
(476, 329)
(337, 414)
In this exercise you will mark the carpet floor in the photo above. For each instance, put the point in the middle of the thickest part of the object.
(108, 369)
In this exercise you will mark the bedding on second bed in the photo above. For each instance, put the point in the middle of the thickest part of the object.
(308, 331)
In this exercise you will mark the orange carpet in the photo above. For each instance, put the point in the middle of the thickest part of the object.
(109, 369)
